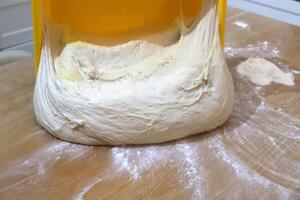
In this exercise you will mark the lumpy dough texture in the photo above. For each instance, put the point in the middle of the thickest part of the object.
(137, 92)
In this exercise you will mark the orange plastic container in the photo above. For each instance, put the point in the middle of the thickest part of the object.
(109, 22)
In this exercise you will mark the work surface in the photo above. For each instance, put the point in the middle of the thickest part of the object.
(255, 155)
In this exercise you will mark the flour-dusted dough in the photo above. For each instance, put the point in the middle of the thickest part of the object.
(137, 92)
(262, 72)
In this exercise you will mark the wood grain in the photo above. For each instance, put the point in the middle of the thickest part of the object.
(254, 155)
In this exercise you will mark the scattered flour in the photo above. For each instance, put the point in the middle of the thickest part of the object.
(38, 163)
(245, 174)
(87, 188)
(192, 170)
(241, 24)
(135, 161)
(260, 48)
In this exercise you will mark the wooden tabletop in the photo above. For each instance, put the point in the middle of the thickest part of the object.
(255, 155)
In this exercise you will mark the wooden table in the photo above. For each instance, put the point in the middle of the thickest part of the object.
(255, 155)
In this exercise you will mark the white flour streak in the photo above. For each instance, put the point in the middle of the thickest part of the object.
(122, 159)
(241, 24)
(259, 49)
(192, 171)
(278, 123)
(87, 188)
(238, 167)
(136, 160)
(241, 169)
(37, 159)
(42, 160)
(273, 129)
(39, 162)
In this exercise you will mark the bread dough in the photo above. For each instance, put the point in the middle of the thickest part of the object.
(138, 92)
(262, 72)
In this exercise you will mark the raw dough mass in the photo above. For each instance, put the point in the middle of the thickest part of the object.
(262, 72)
(137, 92)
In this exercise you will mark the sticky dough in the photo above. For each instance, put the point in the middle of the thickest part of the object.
(138, 92)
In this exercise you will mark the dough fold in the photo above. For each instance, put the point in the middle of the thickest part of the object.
(138, 92)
